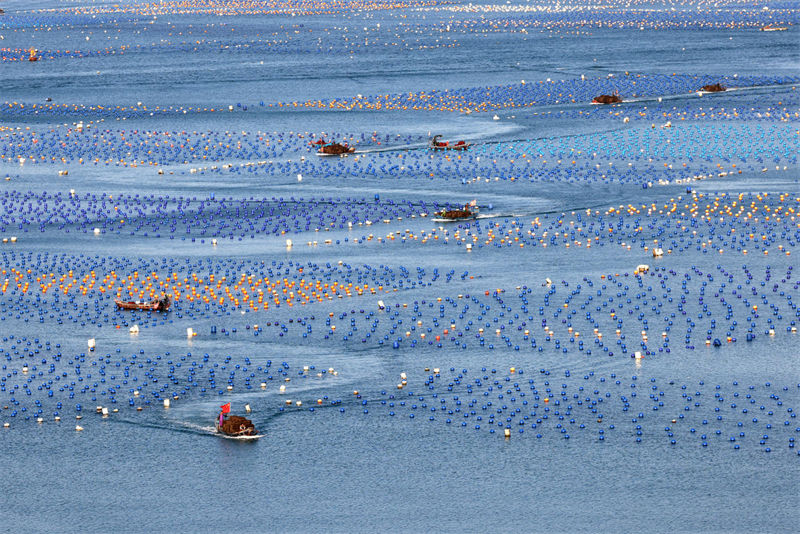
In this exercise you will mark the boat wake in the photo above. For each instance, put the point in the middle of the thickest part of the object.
(211, 430)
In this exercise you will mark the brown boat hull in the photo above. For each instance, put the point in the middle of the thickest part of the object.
(463, 146)
(607, 99)
(236, 426)
(335, 149)
(154, 305)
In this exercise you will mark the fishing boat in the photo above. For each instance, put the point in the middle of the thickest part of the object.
(234, 426)
(444, 145)
(160, 304)
(469, 211)
(335, 149)
(715, 88)
(32, 55)
(773, 28)
(607, 99)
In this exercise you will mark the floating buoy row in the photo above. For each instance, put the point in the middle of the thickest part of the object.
(643, 156)
(133, 382)
(604, 317)
(595, 408)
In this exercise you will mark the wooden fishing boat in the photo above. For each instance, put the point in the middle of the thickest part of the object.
(607, 99)
(161, 304)
(236, 426)
(470, 211)
(715, 88)
(335, 149)
(444, 145)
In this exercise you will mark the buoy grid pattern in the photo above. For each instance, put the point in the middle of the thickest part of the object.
(620, 310)
(734, 14)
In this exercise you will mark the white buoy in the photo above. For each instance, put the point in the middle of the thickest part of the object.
(166, 403)
(92, 344)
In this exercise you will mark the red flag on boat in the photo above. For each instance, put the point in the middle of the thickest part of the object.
(226, 408)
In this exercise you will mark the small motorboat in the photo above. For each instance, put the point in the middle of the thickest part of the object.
(335, 149)
(234, 426)
(160, 304)
(444, 145)
(607, 99)
(470, 211)
(715, 88)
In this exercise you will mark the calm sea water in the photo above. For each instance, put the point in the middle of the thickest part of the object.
(353, 465)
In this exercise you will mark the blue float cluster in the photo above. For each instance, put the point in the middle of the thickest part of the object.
(189, 217)
(598, 407)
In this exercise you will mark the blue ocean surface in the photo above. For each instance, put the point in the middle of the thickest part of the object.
(607, 344)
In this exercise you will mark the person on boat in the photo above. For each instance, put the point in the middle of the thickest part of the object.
(436, 143)
(225, 408)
